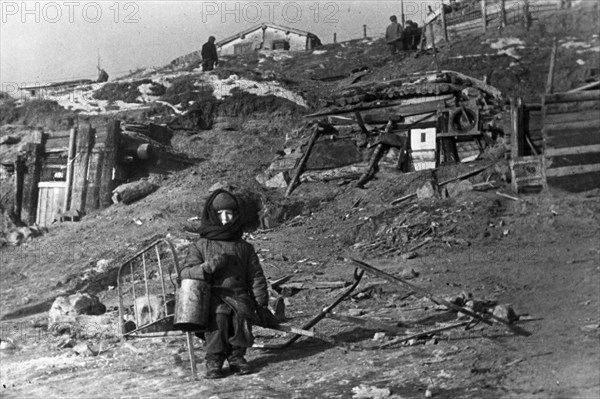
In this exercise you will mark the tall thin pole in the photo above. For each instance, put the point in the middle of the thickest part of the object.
(437, 63)
(483, 15)
(444, 26)
(402, 12)
(550, 82)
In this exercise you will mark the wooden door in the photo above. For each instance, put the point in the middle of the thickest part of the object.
(51, 201)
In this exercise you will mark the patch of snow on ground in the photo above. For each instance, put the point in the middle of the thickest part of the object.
(277, 55)
(146, 93)
(594, 49)
(82, 99)
(223, 87)
(505, 42)
(576, 44)
(508, 46)
(319, 52)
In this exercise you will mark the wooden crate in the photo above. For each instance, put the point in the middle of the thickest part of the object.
(527, 174)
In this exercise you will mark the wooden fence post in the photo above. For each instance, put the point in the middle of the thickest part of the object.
(33, 170)
(437, 62)
(517, 117)
(111, 147)
(444, 26)
(503, 21)
(70, 156)
(92, 200)
(85, 142)
(364, 31)
(484, 15)
(334, 37)
(20, 170)
(402, 13)
(526, 14)
(550, 81)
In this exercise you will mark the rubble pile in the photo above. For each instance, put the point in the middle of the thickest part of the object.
(414, 228)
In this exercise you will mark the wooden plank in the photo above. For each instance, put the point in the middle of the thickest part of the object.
(550, 152)
(580, 106)
(70, 156)
(483, 15)
(572, 138)
(111, 146)
(560, 128)
(550, 81)
(93, 179)
(85, 140)
(581, 116)
(51, 184)
(444, 25)
(300, 168)
(572, 170)
(517, 141)
(558, 161)
(589, 86)
(20, 169)
(575, 183)
(33, 163)
(588, 95)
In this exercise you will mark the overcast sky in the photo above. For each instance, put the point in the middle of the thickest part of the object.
(45, 41)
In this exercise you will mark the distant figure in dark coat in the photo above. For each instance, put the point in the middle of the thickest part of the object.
(411, 36)
(102, 75)
(393, 35)
(210, 59)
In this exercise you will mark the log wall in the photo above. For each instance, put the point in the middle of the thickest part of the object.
(571, 137)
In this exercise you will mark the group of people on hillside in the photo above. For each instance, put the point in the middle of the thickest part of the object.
(399, 38)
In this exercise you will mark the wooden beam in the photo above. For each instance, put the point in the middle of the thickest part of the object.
(20, 170)
(572, 170)
(517, 141)
(111, 149)
(593, 85)
(33, 164)
(444, 24)
(85, 142)
(484, 15)
(588, 95)
(526, 15)
(435, 56)
(550, 81)
(70, 156)
(503, 21)
(92, 200)
(584, 149)
(300, 168)
(572, 117)
(572, 127)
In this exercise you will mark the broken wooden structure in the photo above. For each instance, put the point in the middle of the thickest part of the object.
(416, 123)
(469, 17)
(556, 144)
(77, 170)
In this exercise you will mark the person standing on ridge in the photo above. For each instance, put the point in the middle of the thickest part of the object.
(393, 35)
(210, 58)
